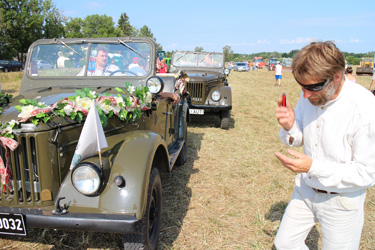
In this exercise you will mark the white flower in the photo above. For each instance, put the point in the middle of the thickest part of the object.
(93, 93)
(105, 107)
(84, 102)
(13, 122)
(41, 104)
(26, 110)
(131, 90)
(68, 109)
(148, 98)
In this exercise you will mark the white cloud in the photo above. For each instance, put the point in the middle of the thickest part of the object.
(94, 5)
(298, 40)
(263, 42)
(354, 40)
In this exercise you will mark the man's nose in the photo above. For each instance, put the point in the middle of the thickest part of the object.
(306, 93)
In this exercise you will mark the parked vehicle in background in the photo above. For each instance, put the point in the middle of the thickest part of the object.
(259, 62)
(43, 65)
(271, 64)
(366, 66)
(286, 63)
(10, 65)
(241, 66)
(207, 83)
(118, 190)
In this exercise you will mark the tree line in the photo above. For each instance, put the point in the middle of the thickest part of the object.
(24, 21)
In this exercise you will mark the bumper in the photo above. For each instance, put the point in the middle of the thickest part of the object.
(106, 223)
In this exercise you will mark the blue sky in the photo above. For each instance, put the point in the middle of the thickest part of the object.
(247, 26)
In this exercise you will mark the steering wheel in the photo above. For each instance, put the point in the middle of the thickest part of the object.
(123, 71)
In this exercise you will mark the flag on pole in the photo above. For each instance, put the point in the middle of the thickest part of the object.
(92, 138)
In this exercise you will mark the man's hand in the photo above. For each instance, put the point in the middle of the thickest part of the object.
(285, 115)
(300, 164)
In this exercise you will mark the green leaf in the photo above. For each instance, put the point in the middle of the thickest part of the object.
(35, 121)
(120, 90)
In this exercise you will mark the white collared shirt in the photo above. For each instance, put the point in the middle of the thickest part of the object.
(340, 138)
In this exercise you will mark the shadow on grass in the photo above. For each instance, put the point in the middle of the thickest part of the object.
(276, 213)
(177, 194)
(175, 204)
(208, 121)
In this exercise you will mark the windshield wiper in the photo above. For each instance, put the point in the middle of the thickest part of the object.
(127, 46)
(71, 48)
(181, 56)
(205, 57)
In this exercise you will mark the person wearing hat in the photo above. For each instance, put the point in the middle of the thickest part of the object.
(278, 74)
(136, 68)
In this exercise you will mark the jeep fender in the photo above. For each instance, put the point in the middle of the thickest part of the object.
(131, 156)
(226, 95)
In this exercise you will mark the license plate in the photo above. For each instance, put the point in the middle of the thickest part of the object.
(196, 111)
(12, 224)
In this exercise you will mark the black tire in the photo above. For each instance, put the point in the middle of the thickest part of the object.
(148, 237)
(224, 119)
(182, 157)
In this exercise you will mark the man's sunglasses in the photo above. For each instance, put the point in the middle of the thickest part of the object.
(314, 87)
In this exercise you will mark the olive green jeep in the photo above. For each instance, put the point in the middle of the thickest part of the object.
(116, 190)
(207, 83)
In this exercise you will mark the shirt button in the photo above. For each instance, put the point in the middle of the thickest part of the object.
(316, 145)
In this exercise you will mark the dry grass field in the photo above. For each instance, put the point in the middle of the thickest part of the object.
(232, 192)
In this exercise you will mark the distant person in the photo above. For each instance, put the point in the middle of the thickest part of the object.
(163, 66)
(101, 66)
(348, 73)
(278, 74)
(334, 121)
(372, 83)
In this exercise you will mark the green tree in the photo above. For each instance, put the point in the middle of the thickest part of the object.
(100, 26)
(73, 28)
(124, 25)
(23, 22)
(198, 49)
(228, 53)
(146, 32)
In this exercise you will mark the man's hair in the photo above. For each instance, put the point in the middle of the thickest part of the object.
(349, 70)
(102, 48)
(318, 61)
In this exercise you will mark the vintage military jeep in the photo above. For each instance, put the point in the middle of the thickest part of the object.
(116, 191)
(207, 83)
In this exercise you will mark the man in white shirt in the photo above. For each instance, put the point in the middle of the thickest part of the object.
(101, 68)
(334, 121)
(278, 74)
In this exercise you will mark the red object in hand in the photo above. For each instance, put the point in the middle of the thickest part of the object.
(284, 100)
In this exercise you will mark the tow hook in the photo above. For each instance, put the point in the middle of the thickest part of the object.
(60, 210)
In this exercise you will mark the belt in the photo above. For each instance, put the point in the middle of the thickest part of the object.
(323, 191)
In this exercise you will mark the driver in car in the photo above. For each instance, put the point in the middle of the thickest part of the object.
(102, 68)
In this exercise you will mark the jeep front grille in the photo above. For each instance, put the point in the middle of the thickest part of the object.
(197, 92)
(24, 166)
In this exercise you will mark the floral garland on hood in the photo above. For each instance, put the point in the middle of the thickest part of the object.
(126, 108)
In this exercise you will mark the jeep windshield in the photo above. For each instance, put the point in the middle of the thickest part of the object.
(82, 58)
(198, 59)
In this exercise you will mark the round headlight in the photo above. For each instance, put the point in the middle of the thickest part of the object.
(215, 96)
(226, 71)
(155, 84)
(87, 178)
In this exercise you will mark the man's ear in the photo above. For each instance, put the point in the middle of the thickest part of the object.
(338, 77)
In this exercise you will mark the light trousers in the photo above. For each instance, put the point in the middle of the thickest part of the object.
(341, 219)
